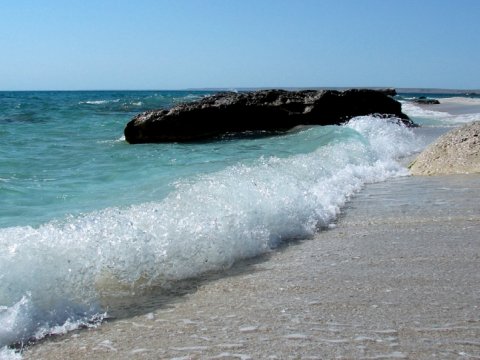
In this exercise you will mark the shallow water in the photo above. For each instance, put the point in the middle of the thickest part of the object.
(390, 281)
(90, 223)
(415, 194)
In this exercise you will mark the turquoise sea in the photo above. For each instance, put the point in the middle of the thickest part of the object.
(88, 221)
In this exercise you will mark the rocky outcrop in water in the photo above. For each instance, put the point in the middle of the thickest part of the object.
(389, 91)
(456, 152)
(422, 100)
(258, 112)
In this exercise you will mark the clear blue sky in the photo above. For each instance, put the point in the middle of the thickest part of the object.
(176, 44)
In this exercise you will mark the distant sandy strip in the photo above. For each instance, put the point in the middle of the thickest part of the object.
(456, 105)
(398, 278)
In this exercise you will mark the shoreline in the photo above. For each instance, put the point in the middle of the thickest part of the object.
(397, 281)
(454, 106)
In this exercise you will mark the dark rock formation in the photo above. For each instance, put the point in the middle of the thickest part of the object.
(425, 101)
(389, 91)
(259, 112)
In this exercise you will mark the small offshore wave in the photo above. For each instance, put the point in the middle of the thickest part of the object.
(110, 141)
(141, 101)
(68, 273)
(187, 98)
(99, 102)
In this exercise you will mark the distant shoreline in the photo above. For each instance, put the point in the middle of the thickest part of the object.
(399, 90)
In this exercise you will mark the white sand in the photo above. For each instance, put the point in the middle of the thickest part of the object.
(455, 106)
(456, 152)
(398, 278)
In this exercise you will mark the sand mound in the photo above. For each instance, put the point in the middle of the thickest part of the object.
(456, 152)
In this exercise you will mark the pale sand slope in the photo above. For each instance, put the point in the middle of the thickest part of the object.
(397, 282)
(456, 152)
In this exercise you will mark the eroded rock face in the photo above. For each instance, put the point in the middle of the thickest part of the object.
(259, 111)
(456, 152)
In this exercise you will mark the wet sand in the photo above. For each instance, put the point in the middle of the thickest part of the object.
(397, 278)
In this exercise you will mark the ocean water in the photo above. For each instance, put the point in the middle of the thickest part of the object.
(90, 224)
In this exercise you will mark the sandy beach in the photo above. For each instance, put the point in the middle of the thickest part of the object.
(455, 106)
(396, 278)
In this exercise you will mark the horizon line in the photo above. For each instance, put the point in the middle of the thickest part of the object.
(252, 88)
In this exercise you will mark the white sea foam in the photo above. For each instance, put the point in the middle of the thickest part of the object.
(99, 102)
(438, 117)
(62, 274)
(413, 110)
(9, 354)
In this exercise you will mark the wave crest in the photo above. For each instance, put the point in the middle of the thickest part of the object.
(72, 267)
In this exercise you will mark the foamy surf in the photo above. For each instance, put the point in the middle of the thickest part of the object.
(68, 273)
(426, 116)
